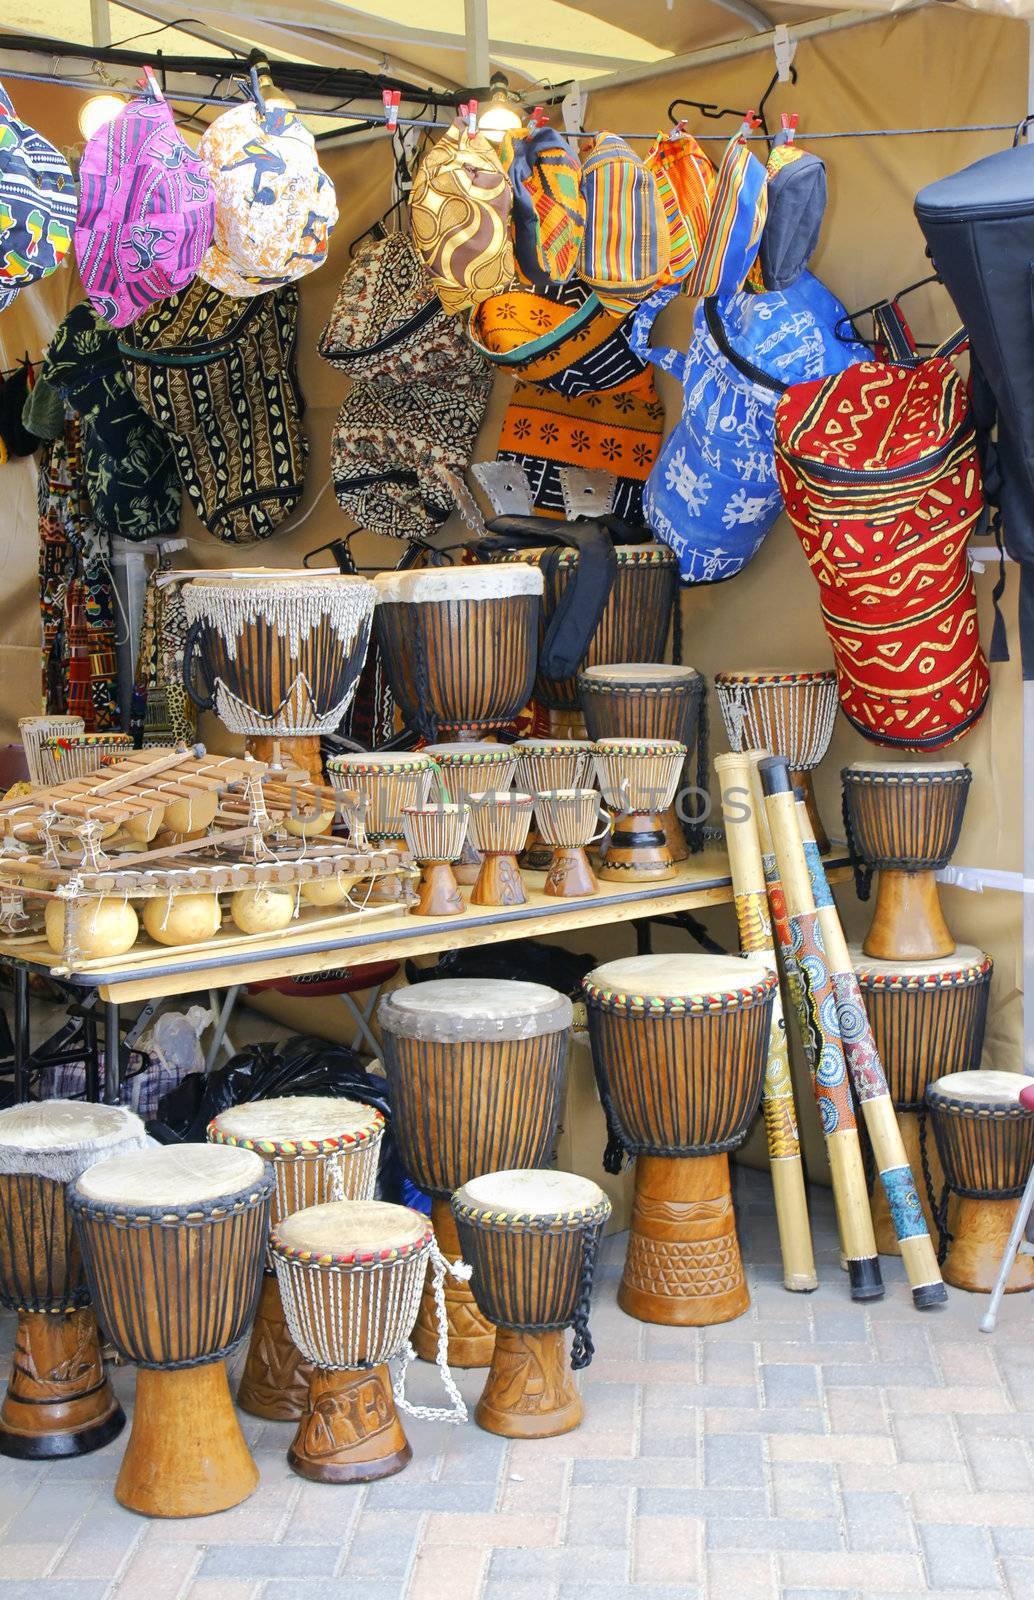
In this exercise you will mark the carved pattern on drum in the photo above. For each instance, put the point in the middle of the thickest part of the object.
(753, 922)
(78, 1371)
(683, 1268)
(275, 1381)
(471, 1335)
(529, 1377)
(867, 1079)
(781, 1127)
(684, 1213)
(340, 1418)
(832, 1090)
(509, 883)
(903, 1202)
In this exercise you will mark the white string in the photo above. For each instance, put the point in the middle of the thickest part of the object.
(458, 1411)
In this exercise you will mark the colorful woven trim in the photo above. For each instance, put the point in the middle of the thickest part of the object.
(546, 747)
(536, 1221)
(301, 1147)
(376, 769)
(640, 686)
(352, 1258)
(978, 1110)
(680, 1005)
(86, 741)
(475, 758)
(762, 679)
(658, 747)
(974, 973)
(906, 779)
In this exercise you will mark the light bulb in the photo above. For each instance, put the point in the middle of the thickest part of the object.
(498, 119)
(97, 112)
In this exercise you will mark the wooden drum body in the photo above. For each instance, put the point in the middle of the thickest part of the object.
(634, 625)
(476, 1071)
(173, 1240)
(58, 1401)
(927, 1020)
(679, 1048)
(904, 822)
(569, 820)
(435, 836)
(531, 1239)
(319, 1148)
(350, 1275)
(639, 779)
(499, 826)
(466, 769)
(985, 1139)
(459, 645)
(787, 714)
(388, 781)
(548, 764)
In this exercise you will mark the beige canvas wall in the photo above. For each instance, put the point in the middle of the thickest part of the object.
(937, 67)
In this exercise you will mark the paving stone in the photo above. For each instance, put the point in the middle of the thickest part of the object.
(57, 1589)
(448, 1574)
(518, 1589)
(960, 1399)
(231, 1589)
(868, 1448)
(667, 1549)
(319, 1589)
(872, 1574)
(544, 1490)
(655, 1471)
(733, 1462)
(707, 1502)
(383, 1545)
(988, 1509)
(926, 1439)
(599, 1515)
(804, 1490)
(770, 1533)
(741, 1577)
(1019, 1576)
(854, 1411)
(999, 1463)
(958, 1558)
(774, 1419)
(485, 1529)
(562, 1565)
(789, 1385)
(877, 1521)
(841, 1327)
(155, 1571)
(270, 1561)
(1014, 1541)
(625, 1591)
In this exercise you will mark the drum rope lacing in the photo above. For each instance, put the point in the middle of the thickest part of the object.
(862, 874)
(582, 1347)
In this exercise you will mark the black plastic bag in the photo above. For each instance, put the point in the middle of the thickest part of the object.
(528, 960)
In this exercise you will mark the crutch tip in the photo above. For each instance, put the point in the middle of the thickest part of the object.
(927, 1295)
(987, 1323)
(866, 1278)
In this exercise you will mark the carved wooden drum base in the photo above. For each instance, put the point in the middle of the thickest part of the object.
(907, 921)
(438, 892)
(471, 1335)
(886, 1239)
(980, 1230)
(683, 1265)
(570, 873)
(499, 883)
(186, 1455)
(674, 835)
(637, 852)
(275, 1381)
(530, 1392)
(59, 1401)
(299, 750)
(350, 1431)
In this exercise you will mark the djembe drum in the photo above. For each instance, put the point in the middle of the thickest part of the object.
(787, 714)
(679, 1048)
(569, 821)
(646, 700)
(435, 836)
(320, 1148)
(903, 821)
(542, 766)
(927, 1019)
(531, 1239)
(388, 781)
(459, 645)
(173, 1241)
(499, 826)
(32, 731)
(639, 779)
(77, 755)
(634, 625)
(279, 653)
(351, 1274)
(466, 769)
(59, 1401)
(476, 1071)
(985, 1139)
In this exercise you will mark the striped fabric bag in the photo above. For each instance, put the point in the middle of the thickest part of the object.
(626, 247)
(734, 226)
(548, 209)
(685, 179)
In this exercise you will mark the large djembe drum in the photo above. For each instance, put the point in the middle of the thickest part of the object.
(634, 625)
(646, 700)
(787, 714)
(464, 769)
(278, 653)
(639, 779)
(903, 821)
(351, 1274)
(388, 781)
(173, 1240)
(985, 1139)
(531, 1240)
(58, 1401)
(476, 1071)
(459, 645)
(320, 1148)
(927, 1019)
(679, 1048)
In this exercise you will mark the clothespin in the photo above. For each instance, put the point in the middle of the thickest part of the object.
(151, 84)
(751, 123)
(260, 99)
(391, 99)
(539, 117)
(472, 116)
(678, 130)
(789, 121)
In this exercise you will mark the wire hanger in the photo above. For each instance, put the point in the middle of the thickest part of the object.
(709, 108)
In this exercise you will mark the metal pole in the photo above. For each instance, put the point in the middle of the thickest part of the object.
(112, 1053)
(21, 1031)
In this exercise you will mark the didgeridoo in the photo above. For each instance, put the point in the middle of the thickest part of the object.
(810, 984)
(870, 1087)
(780, 1112)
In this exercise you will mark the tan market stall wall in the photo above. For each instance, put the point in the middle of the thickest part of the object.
(931, 68)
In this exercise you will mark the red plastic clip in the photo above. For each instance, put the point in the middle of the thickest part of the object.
(391, 99)
(472, 116)
(539, 117)
(789, 120)
(150, 82)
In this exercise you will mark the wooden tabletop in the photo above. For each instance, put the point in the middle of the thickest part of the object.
(389, 935)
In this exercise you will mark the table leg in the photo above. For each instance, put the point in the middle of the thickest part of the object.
(112, 1053)
(22, 1040)
(90, 1052)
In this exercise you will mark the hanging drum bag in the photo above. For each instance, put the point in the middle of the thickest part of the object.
(879, 473)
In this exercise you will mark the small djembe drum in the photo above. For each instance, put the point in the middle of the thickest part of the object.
(639, 779)
(787, 714)
(499, 826)
(634, 625)
(351, 1274)
(903, 821)
(59, 1401)
(679, 1048)
(435, 836)
(388, 781)
(173, 1240)
(569, 820)
(320, 1148)
(476, 1071)
(927, 1019)
(985, 1139)
(75, 755)
(32, 731)
(465, 769)
(542, 766)
(459, 645)
(647, 700)
(279, 654)
(531, 1240)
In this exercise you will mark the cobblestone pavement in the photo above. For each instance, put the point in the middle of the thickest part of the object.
(813, 1449)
